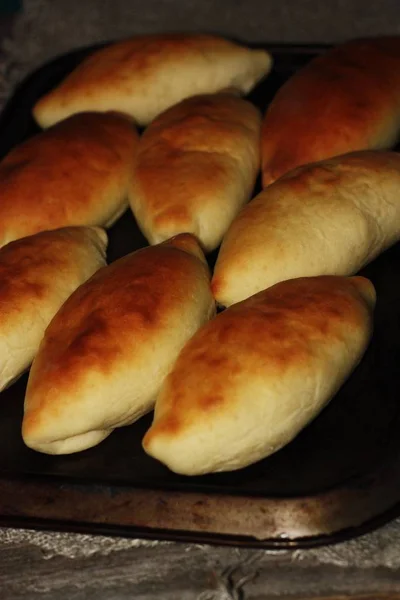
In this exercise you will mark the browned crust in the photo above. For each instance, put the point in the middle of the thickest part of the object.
(190, 155)
(270, 333)
(134, 66)
(28, 267)
(62, 176)
(345, 100)
(120, 307)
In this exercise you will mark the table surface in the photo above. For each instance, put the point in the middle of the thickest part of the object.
(74, 566)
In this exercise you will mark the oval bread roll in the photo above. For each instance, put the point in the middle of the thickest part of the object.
(250, 380)
(37, 274)
(348, 99)
(195, 167)
(107, 351)
(76, 173)
(327, 218)
(146, 75)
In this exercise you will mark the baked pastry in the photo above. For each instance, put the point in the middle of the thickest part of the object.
(146, 75)
(76, 173)
(327, 218)
(348, 99)
(37, 274)
(250, 380)
(107, 351)
(195, 167)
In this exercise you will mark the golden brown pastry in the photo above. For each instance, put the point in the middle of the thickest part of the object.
(327, 218)
(250, 380)
(195, 167)
(345, 100)
(146, 75)
(107, 351)
(37, 274)
(76, 173)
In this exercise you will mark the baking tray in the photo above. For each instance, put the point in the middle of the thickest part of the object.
(339, 478)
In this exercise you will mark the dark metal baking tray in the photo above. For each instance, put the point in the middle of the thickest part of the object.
(339, 478)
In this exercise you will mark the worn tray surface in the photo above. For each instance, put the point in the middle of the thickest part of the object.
(338, 478)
